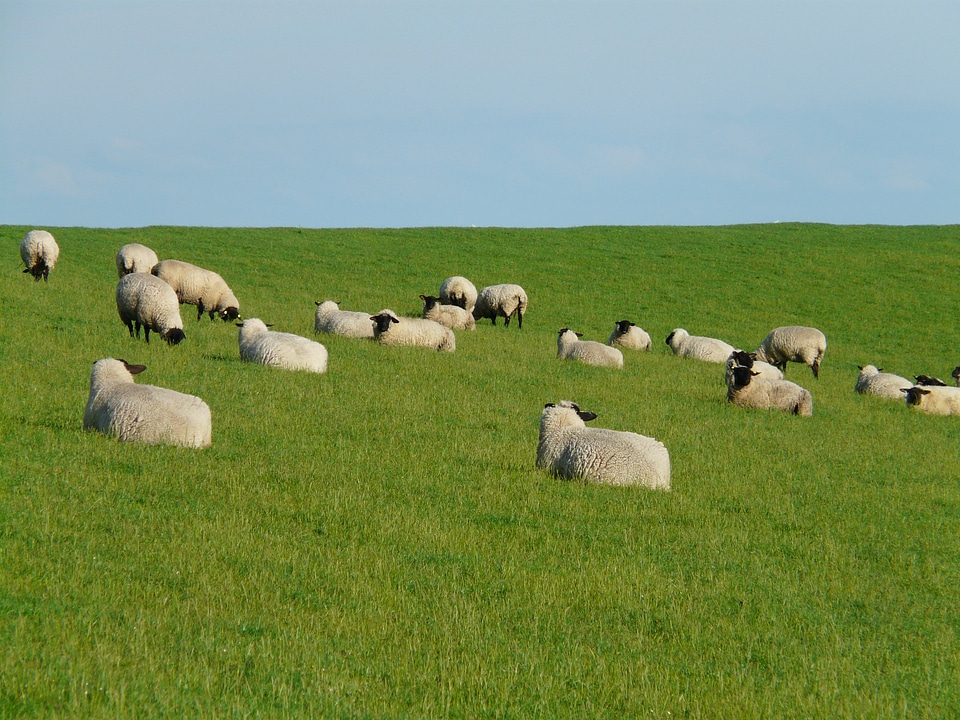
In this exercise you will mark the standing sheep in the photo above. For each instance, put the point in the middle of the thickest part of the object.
(748, 391)
(627, 335)
(279, 349)
(873, 381)
(794, 343)
(329, 318)
(143, 413)
(150, 303)
(134, 258)
(451, 316)
(934, 399)
(197, 286)
(457, 290)
(39, 252)
(505, 300)
(571, 347)
(698, 347)
(569, 449)
(389, 329)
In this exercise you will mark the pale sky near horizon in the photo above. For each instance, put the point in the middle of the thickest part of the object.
(404, 113)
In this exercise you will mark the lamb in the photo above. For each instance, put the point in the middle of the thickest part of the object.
(279, 349)
(873, 381)
(794, 343)
(119, 407)
(451, 316)
(505, 300)
(571, 347)
(331, 319)
(39, 252)
(934, 399)
(627, 335)
(197, 286)
(457, 290)
(748, 391)
(739, 358)
(697, 347)
(390, 329)
(134, 257)
(152, 304)
(569, 449)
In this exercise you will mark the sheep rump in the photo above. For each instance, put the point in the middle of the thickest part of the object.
(197, 286)
(748, 391)
(134, 258)
(571, 347)
(628, 335)
(872, 381)
(698, 347)
(390, 329)
(278, 349)
(39, 252)
(451, 316)
(149, 302)
(794, 343)
(504, 300)
(329, 318)
(457, 290)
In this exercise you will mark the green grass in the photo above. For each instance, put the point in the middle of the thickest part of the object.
(376, 541)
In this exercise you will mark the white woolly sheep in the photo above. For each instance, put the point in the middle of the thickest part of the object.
(390, 329)
(134, 258)
(934, 399)
(279, 349)
(149, 302)
(794, 343)
(698, 347)
(740, 358)
(457, 290)
(628, 335)
(873, 381)
(197, 286)
(119, 407)
(571, 347)
(504, 300)
(569, 449)
(748, 391)
(329, 318)
(39, 252)
(451, 316)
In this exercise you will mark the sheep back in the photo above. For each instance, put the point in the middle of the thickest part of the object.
(390, 329)
(570, 347)
(794, 343)
(872, 381)
(504, 300)
(628, 335)
(147, 301)
(451, 316)
(198, 286)
(329, 318)
(39, 252)
(748, 391)
(278, 349)
(134, 258)
(457, 290)
(698, 347)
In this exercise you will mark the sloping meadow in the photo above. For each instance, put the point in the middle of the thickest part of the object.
(377, 542)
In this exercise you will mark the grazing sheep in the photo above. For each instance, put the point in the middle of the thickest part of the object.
(143, 413)
(389, 329)
(457, 290)
(279, 349)
(134, 258)
(627, 335)
(873, 381)
(197, 286)
(505, 300)
(331, 319)
(697, 347)
(794, 343)
(149, 302)
(929, 381)
(569, 449)
(39, 252)
(749, 391)
(571, 347)
(739, 358)
(956, 375)
(934, 399)
(451, 316)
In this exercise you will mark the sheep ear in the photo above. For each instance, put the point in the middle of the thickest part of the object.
(269, 324)
(860, 367)
(133, 369)
(423, 297)
(754, 373)
(578, 334)
(549, 405)
(878, 369)
(239, 324)
(586, 415)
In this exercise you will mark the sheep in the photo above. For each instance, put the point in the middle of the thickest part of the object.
(505, 300)
(739, 358)
(697, 347)
(570, 347)
(130, 412)
(873, 381)
(929, 381)
(197, 286)
(569, 449)
(331, 319)
(934, 399)
(133, 258)
(390, 329)
(627, 335)
(39, 252)
(794, 343)
(457, 290)
(749, 391)
(279, 349)
(151, 303)
(451, 316)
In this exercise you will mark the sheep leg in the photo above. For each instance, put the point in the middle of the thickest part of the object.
(129, 326)
(816, 368)
(138, 330)
(200, 311)
(519, 320)
(146, 331)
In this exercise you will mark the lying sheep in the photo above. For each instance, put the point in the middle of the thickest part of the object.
(501, 300)
(749, 391)
(149, 302)
(571, 347)
(39, 252)
(457, 290)
(197, 286)
(739, 358)
(934, 399)
(279, 349)
(331, 319)
(697, 347)
(569, 449)
(451, 316)
(390, 329)
(794, 343)
(627, 335)
(143, 413)
(134, 258)
(873, 381)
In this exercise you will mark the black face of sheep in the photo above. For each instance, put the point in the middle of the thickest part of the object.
(563, 330)
(428, 302)
(381, 323)
(956, 374)
(928, 380)
(914, 394)
(742, 376)
(230, 313)
(742, 358)
(174, 336)
(669, 337)
(623, 326)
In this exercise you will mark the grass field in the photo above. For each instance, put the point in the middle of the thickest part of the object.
(376, 541)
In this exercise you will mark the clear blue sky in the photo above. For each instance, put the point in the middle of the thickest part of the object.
(461, 112)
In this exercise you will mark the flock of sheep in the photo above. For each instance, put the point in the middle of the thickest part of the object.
(150, 292)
